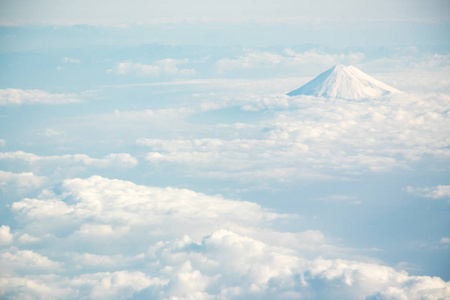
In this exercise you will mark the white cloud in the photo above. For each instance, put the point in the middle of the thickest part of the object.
(445, 240)
(164, 67)
(17, 96)
(117, 285)
(70, 60)
(109, 212)
(51, 132)
(23, 261)
(27, 239)
(101, 285)
(314, 136)
(2, 142)
(141, 115)
(110, 160)
(358, 280)
(5, 235)
(179, 244)
(27, 179)
(436, 192)
(35, 287)
(290, 58)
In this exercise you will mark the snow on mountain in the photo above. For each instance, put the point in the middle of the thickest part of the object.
(345, 82)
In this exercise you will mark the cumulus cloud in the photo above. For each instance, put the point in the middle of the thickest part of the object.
(27, 239)
(25, 261)
(112, 212)
(35, 287)
(164, 67)
(358, 280)
(100, 285)
(290, 58)
(18, 96)
(436, 192)
(123, 240)
(27, 179)
(5, 235)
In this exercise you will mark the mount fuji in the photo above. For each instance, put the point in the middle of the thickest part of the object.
(345, 82)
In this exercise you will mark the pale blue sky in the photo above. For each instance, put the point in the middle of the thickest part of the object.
(331, 23)
(95, 12)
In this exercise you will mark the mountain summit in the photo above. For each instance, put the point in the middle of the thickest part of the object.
(345, 82)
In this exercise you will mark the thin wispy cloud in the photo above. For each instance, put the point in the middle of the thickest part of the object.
(165, 67)
(18, 97)
(435, 192)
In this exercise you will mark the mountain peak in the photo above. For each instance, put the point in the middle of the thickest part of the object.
(345, 82)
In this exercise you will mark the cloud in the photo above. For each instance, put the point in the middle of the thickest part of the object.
(357, 280)
(101, 285)
(121, 240)
(17, 180)
(5, 235)
(445, 240)
(410, 58)
(35, 287)
(18, 96)
(116, 213)
(14, 260)
(165, 67)
(111, 160)
(51, 133)
(307, 136)
(26, 239)
(119, 285)
(16, 183)
(70, 60)
(436, 192)
(290, 58)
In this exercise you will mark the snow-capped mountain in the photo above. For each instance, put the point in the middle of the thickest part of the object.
(345, 82)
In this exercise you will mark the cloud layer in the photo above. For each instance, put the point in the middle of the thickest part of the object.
(303, 136)
(119, 240)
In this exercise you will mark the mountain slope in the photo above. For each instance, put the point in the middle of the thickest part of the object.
(345, 82)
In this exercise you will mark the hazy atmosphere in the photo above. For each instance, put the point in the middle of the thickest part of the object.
(150, 149)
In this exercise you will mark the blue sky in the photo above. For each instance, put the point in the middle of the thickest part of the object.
(160, 140)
